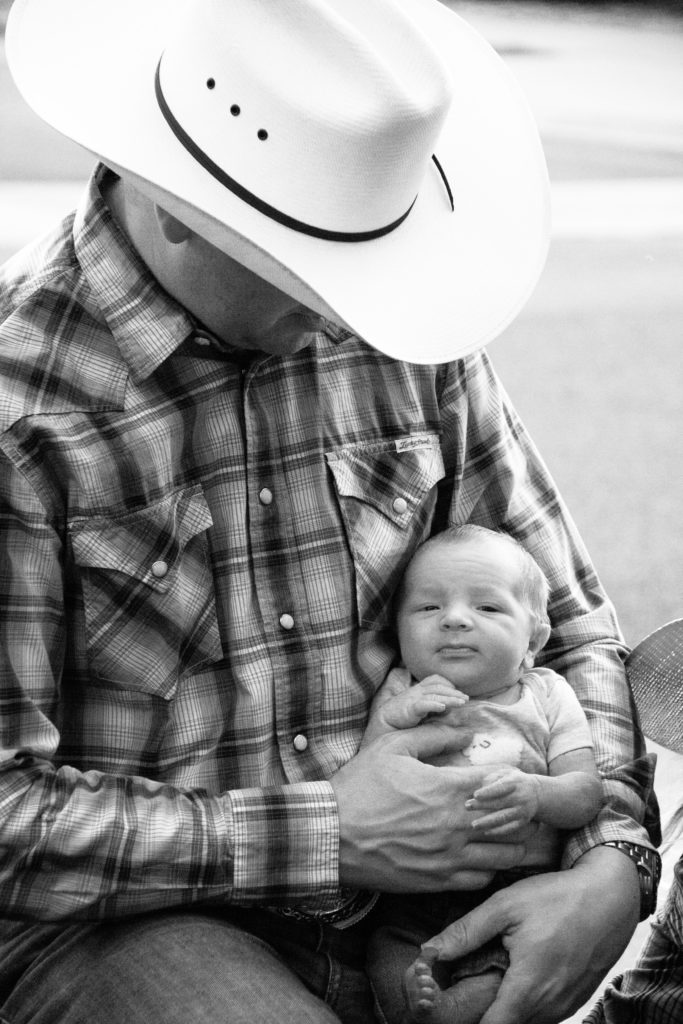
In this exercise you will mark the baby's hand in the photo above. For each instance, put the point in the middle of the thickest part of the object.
(406, 708)
(511, 796)
(431, 696)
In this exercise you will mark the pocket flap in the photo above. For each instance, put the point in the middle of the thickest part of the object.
(145, 544)
(393, 478)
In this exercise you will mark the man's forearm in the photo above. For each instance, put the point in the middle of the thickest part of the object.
(92, 845)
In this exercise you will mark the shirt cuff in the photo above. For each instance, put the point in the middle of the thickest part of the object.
(606, 828)
(284, 844)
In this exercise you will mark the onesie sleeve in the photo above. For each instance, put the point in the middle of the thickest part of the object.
(569, 729)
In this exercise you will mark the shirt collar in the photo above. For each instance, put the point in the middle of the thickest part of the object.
(146, 323)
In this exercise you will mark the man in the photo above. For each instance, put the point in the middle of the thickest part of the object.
(239, 388)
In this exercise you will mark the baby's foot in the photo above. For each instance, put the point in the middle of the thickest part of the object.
(421, 990)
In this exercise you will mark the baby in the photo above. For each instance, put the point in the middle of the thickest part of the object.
(471, 615)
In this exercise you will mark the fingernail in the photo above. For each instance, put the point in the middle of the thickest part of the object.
(430, 953)
(469, 804)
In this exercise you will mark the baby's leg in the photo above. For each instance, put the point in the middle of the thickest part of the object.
(465, 1002)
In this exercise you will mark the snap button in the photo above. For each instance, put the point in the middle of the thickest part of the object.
(265, 496)
(300, 743)
(159, 569)
(400, 506)
(286, 621)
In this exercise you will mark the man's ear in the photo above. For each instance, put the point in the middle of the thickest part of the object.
(173, 230)
(537, 642)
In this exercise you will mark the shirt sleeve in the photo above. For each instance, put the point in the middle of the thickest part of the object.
(501, 482)
(90, 844)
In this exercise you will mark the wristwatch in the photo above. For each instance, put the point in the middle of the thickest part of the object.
(649, 865)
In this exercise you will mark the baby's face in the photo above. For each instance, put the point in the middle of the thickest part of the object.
(461, 616)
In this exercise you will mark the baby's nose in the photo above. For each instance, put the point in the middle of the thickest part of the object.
(457, 616)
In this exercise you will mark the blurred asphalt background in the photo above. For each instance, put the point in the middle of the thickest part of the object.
(594, 362)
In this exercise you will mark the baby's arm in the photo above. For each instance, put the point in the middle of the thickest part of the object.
(400, 705)
(570, 796)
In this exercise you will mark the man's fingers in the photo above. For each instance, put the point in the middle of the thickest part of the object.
(491, 856)
(494, 831)
(471, 931)
(511, 1004)
(518, 1000)
(428, 740)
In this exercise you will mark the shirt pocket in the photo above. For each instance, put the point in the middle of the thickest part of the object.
(387, 495)
(148, 595)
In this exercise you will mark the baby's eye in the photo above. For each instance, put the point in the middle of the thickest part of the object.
(489, 608)
(429, 608)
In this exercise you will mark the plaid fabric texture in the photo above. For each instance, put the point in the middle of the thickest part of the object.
(196, 568)
(652, 991)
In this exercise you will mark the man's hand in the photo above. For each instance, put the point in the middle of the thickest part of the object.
(399, 704)
(403, 824)
(510, 797)
(562, 930)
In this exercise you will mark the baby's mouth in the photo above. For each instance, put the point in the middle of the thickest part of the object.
(457, 649)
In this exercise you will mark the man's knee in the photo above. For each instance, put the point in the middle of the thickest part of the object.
(161, 969)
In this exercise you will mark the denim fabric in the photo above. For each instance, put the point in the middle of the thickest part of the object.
(244, 967)
(404, 923)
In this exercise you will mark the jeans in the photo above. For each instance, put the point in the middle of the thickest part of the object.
(405, 922)
(241, 966)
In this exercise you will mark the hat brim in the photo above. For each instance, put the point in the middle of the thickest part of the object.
(443, 284)
(655, 672)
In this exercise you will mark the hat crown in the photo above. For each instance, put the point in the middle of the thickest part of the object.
(326, 111)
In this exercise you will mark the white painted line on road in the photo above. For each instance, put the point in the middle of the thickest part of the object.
(623, 208)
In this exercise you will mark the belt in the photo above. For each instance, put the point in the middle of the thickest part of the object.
(351, 909)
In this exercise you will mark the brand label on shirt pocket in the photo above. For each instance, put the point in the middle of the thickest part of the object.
(387, 493)
(149, 603)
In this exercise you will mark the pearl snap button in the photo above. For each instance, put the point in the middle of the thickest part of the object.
(400, 506)
(286, 621)
(159, 569)
(300, 743)
(265, 496)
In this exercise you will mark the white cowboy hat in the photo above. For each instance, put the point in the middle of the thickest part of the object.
(655, 672)
(298, 135)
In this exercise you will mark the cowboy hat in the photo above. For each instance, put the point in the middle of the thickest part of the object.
(374, 159)
(655, 672)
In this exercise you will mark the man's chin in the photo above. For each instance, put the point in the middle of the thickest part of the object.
(293, 332)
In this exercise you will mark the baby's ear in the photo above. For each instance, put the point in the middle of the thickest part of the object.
(537, 642)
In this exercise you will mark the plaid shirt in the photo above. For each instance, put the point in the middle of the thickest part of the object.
(651, 991)
(197, 562)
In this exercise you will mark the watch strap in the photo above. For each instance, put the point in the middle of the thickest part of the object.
(649, 867)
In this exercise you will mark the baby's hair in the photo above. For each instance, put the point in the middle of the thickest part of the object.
(535, 590)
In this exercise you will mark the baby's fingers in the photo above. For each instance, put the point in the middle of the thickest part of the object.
(500, 822)
(436, 684)
(496, 791)
(429, 706)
